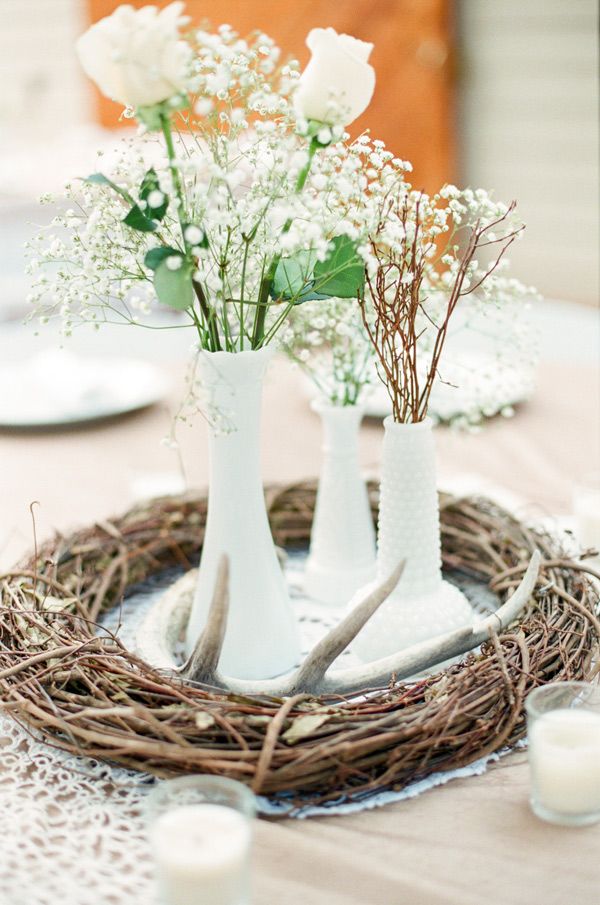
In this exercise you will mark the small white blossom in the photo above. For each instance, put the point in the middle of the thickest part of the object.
(324, 135)
(155, 199)
(203, 106)
(193, 235)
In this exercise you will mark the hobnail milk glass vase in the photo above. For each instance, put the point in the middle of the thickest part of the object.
(423, 604)
(342, 544)
(262, 637)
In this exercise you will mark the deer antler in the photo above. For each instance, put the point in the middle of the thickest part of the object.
(204, 661)
(310, 674)
(313, 676)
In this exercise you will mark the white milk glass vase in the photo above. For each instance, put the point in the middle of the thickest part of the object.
(262, 637)
(423, 604)
(342, 544)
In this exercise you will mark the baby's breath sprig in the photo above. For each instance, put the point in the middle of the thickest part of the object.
(243, 212)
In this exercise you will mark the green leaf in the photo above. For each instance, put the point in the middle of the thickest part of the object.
(156, 256)
(150, 184)
(98, 179)
(301, 278)
(137, 219)
(294, 278)
(174, 287)
(307, 296)
(101, 179)
(342, 273)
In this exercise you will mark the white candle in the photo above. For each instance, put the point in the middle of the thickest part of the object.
(587, 514)
(202, 855)
(564, 754)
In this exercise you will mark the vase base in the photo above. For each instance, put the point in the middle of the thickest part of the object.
(335, 587)
(404, 621)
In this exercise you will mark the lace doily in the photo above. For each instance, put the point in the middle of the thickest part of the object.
(72, 829)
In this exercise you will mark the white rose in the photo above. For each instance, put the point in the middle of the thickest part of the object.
(338, 83)
(136, 57)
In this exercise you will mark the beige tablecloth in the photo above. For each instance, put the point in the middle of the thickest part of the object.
(471, 842)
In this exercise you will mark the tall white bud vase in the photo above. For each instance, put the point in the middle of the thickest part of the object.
(262, 637)
(342, 543)
(423, 604)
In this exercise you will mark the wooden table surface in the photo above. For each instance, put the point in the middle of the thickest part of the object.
(470, 842)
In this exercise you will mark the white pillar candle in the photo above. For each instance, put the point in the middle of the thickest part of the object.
(202, 855)
(564, 754)
(587, 515)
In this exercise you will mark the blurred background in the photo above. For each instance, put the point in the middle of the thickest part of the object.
(502, 95)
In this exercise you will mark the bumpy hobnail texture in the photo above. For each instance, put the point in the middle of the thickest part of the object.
(342, 544)
(423, 604)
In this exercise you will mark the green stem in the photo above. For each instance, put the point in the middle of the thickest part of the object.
(242, 290)
(266, 285)
(275, 327)
(207, 310)
(209, 316)
(166, 130)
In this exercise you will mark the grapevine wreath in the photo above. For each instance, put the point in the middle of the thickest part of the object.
(84, 691)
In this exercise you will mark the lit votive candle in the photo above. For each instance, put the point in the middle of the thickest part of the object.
(200, 834)
(564, 752)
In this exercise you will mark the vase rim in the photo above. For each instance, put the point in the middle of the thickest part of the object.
(267, 351)
(424, 425)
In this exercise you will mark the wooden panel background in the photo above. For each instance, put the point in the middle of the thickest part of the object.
(529, 100)
(413, 107)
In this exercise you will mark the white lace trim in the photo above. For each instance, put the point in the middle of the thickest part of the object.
(72, 829)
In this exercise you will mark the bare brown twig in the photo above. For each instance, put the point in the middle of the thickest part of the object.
(396, 290)
(90, 695)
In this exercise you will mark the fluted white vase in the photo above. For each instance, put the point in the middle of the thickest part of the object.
(423, 604)
(342, 543)
(262, 636)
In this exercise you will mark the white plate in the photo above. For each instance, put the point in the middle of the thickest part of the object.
(56, 388)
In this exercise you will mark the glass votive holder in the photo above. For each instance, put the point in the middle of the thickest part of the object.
(563, 727)
(586, 508)
(200, 830)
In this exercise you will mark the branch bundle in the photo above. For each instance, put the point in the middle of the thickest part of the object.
(398, 311)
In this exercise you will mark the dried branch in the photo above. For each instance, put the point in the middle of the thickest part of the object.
(89, 695)
(396, 292)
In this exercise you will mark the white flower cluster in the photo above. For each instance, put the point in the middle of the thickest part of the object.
(249, 212)
(326, 338)
(441, 220)
(238, 159)
(382, 213)
(75, 274)
(499, 324)
(87, 264)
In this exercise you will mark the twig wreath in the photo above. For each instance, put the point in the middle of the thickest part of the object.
(85, 692)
